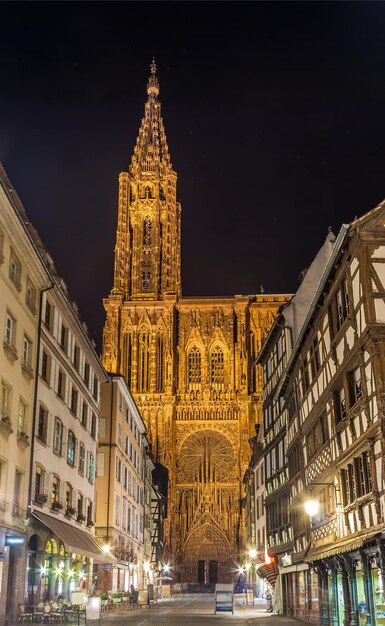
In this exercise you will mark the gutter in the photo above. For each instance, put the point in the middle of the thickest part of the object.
(109, 458)
(34, 410)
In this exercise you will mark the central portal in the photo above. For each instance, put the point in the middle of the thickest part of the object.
(206, 487)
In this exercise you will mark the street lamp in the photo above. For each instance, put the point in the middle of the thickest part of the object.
(312, 506)
(252, 553)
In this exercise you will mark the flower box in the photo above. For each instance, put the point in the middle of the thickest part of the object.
(70, 511)
(41, 498)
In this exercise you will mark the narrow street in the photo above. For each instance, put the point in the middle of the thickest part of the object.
(197, 610)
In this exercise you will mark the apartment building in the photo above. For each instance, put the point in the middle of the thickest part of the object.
(62, 547)
(336, 434)
(122, 489)
(277, 413)
(22, 279)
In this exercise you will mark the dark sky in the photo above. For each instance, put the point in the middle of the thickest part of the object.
(274, 114)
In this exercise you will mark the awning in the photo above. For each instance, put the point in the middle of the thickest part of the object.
(75, 539)
(270, 572)
(341, 547)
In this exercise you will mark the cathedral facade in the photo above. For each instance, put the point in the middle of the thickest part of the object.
(189, 362)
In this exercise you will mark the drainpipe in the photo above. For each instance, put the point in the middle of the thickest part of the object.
(109, 459)
(34, 409)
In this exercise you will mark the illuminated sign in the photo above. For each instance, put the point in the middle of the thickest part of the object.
(14, 540)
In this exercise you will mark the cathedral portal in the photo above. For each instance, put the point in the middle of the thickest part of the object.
(189, 363)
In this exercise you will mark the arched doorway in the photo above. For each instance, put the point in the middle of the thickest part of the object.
(206, 556)
(34, 562)
(206, 488)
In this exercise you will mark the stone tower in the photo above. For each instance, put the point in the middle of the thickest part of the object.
(188, 361)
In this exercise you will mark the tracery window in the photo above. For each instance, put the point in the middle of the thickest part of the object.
(127, 347)
(144, 361)
(194, 366)
(217, 367)
(147, 231)
(159, 362)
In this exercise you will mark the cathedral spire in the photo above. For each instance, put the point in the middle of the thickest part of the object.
(151, 149)
(147, 251)
(153, 85)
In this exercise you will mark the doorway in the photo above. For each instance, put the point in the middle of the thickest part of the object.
(213, 572)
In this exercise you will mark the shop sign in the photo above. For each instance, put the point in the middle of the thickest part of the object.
(14, 540)
(93, 608)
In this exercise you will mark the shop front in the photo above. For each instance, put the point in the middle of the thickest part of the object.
(59, 560)
(301, 594)
(351, 579)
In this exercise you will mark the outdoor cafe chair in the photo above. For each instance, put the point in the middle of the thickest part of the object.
(24, 616)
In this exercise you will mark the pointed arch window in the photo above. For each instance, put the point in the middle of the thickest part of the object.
(127, 348)
(194, 366)
(144, 361)
(159, 362)
(147, 231)
(217, 367)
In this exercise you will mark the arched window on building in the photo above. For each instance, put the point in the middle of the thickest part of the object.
(217, 367)
(144, 361)
(147, 231)
(159, 362)
(194, 364)
(127, 357)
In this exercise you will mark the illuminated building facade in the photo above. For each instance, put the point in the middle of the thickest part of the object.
(187, 360)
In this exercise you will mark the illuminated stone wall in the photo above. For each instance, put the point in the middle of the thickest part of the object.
(188, 362)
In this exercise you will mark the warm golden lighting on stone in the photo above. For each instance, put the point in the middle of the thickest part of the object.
(188, 362)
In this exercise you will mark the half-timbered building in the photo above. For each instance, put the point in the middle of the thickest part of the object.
(333, 393)
(277, 414)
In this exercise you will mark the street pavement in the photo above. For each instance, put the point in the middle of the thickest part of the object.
(197, 610)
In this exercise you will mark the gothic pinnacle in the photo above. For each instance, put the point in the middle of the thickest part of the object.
(153, 85)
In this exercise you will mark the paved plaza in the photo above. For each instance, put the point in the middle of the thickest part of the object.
(197, 610)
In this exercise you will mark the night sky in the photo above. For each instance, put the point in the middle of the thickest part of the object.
(274, 114)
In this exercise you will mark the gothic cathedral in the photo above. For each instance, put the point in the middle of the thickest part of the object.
(189, 362)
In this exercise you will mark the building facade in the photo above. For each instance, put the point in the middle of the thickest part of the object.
(187, 361)
(255, 550)
(22, 277)
(50, 380)
(122, 490)
(61, 545)
(274, 358)
(332, 388)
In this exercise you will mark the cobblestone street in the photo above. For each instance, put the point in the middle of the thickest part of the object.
(197, 610)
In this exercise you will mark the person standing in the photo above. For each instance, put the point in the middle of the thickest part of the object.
(269, 598)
